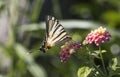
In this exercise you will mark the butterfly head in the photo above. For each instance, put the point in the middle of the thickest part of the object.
(44, 47)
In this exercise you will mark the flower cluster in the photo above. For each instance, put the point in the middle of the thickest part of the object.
(98, 36)
(67, 49)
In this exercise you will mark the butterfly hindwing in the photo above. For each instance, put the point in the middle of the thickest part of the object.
(55, 33)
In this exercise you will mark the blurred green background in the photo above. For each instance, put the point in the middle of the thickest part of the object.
(22, 29)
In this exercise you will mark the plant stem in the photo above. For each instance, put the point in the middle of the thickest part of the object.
(101, 73)
(90, 58)
(102, 60)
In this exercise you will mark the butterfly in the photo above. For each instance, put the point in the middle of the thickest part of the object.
(55, 33)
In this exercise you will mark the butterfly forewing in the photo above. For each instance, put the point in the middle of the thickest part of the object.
(50, 23)
(55, 33)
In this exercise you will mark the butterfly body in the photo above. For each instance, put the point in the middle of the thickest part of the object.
(55, 33)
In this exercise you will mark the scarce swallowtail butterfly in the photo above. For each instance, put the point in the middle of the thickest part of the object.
(55, 33)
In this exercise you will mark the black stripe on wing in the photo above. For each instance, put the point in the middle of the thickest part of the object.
(57, 27)
(62, 37)
(59, 34)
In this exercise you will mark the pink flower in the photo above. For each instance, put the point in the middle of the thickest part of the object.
(67, 49)
(98, 36)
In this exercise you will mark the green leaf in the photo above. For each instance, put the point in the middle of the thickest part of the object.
(96, 53)
(113, 64)
(84, 71)
(76, 37)
(35, 69)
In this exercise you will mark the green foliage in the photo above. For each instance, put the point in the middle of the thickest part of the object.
(84, 71)
(113, 64)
